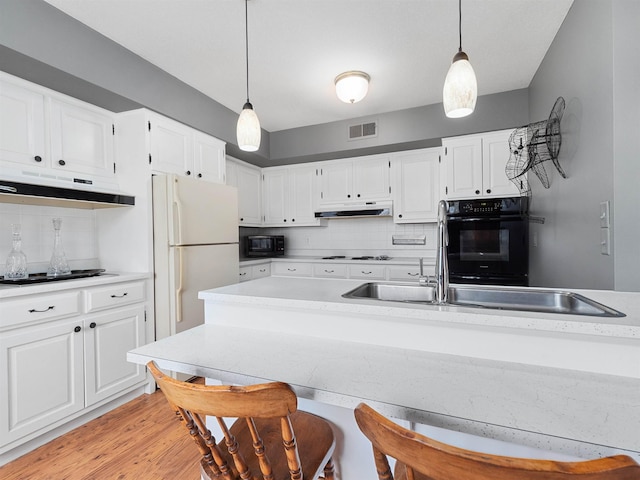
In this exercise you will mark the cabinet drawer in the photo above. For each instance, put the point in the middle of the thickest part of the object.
(114, 295)
(407, 273)
(259, 271)
(244, 274)
(292, 269)
(39, 308)
(330, 270)
(375, 272)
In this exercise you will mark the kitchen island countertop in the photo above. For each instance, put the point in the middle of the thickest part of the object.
(563, 382)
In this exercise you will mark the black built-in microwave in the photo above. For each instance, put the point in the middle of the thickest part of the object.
(264, 245)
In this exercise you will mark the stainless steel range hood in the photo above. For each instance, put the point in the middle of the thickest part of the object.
(351, 210)
(57, 196)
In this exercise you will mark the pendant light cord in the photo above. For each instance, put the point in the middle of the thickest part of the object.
(246, 42)
(460, 23)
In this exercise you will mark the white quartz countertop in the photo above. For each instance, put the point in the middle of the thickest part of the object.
(326, 295)
(11, 291)
(348, 259)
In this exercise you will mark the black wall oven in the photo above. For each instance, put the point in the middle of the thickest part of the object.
(489, 241)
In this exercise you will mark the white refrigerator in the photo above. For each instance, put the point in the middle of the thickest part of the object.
(195, 239)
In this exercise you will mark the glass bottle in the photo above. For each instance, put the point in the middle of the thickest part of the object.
(16, 265)
(58, 264)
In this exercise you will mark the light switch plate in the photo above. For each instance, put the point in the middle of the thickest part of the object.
(605, 241)
(604, 215)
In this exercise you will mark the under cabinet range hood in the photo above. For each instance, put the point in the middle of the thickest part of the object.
(351, 210)
(60, 196)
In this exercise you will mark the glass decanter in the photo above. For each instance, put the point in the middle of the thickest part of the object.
(58, 264)
(16, 265)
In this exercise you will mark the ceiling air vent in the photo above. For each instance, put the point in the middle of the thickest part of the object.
(363, 130)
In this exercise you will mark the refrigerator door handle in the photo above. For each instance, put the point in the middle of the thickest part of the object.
(177, 207)
(180, 287)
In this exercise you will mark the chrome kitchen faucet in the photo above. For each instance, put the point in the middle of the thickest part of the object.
(442, 262)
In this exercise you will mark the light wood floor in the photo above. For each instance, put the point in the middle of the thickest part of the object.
(140, 440)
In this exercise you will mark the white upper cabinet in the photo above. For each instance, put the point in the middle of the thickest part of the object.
(416, 185)
(209, 158)
(48, 134)
(22, 137)
(355, 180)
(168, 146)
(289, 195)
(81, 138)
(248, 180)
(475, 166)
(171, 146)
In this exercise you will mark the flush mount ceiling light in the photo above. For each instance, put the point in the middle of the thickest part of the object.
(248, 128)
(351, 87)
(460, 86)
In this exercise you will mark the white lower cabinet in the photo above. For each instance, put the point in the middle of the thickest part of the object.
(62, 359)
(292, 269)
(42, 380)
(251, 272)
(405, 273)
(371, 272)
(330, 270)
(107, 339)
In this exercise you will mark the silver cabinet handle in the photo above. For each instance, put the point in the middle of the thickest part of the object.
(292, 269)
(365, 273)
(329, 271)
(7, 188)
(412, 274)
(119, 296)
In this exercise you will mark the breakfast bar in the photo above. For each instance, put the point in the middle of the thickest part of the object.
(563, 383)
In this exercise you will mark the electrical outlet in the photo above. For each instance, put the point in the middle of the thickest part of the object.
(605, 241)
(604, 215)
(307, 241)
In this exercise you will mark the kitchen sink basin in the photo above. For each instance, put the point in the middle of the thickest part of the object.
(522, 299)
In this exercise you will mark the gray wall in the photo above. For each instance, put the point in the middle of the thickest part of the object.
(412, 128)
(43, 45)
(583, 65)
(626, 143)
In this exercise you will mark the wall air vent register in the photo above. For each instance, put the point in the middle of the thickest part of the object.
(363, 130)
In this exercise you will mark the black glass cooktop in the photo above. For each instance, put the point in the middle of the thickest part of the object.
(42, 277)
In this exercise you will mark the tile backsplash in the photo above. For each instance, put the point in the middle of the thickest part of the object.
(354, 236)
(78, 235)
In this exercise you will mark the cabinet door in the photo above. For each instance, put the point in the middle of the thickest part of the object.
(209, 158)
(337, 182)
(495, 155)
(41, 377)
(108, 337)
(21, 125)
(81, 139)
(249, 183)
(303, 195)
(463, 158)
(275, 195)
(416, 186)
(171, 146)
(371, 178)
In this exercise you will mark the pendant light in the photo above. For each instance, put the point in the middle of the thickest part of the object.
(248, 129)
(460, 86)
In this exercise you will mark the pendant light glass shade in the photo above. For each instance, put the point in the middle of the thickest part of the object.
(351, 87)
(248, 129)
(460, 88)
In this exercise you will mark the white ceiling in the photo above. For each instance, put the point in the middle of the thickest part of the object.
(297, 47)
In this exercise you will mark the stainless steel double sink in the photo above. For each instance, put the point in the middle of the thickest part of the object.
(522, 299)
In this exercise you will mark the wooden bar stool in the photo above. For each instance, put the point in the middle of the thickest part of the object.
(421, 458)
(271, 438)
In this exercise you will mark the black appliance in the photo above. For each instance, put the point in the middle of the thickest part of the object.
(264, 245)
(489, 241)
